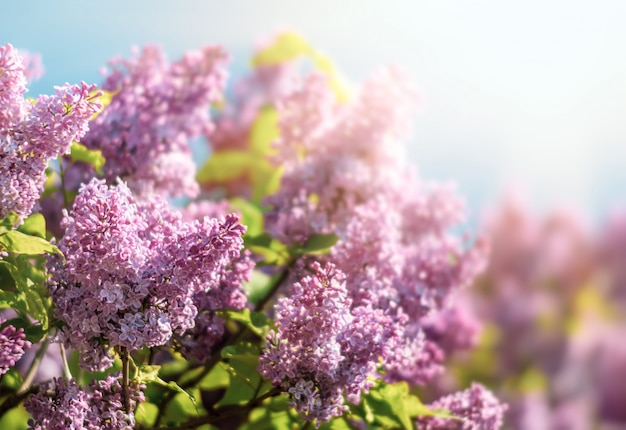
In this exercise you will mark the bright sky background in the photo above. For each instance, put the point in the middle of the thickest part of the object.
(531, 93)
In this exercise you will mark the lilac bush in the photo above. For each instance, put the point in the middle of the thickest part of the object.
(310, 278)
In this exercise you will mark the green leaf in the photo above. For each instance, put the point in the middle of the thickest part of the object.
(34, 225)
(271, 249)
(94, 157)
(392, 405)
(264, 131)
(150, 373)
(286, 47)
(12, 379)
(35, 304)
(265, 179)
(10, 299)
(258, 286)
(318, 244)
(184, 406)
(246, 383)
(15, 419)
(146, 414)
(289, 46)
(224, 166)
(256, 322)
(7, 223)
(17, 242)
(275, 414)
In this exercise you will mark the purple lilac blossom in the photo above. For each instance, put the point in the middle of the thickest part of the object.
(132, 270)
(323, 349)
(13, 344)
(158, 107)
(62, 404)
(344, 173)
(475, 409)
(32, 133)
(199, 342)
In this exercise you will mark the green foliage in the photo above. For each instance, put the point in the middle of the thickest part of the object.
(274, 252)
(26, 297)
(257, 322)
(15, 419)
(391, 406)
(317, 244)
(275, 414)
(146, 414)
(94, 157)
(290, 46)
(246, 383)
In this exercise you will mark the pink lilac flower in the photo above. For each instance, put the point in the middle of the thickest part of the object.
(323, 349)
(132, 271)
(344, 173)
(475, 409)
(13, 344)
(157, 109)
(33, 133)
(199, 342)
(62, 404)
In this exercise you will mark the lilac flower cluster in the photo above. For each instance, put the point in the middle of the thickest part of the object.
(158, 107)
(199, 341)
(474, 409)
(133, 270)
(553, 359)
(33, 133)
(62, 404)
(344, 173)
(13, 344)
(323, 348)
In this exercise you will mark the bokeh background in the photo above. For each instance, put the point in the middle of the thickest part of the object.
(528, 94)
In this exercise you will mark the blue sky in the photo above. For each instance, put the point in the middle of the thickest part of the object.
(530, 93)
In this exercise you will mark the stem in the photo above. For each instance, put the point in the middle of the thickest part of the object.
(125, 371)
(307, 425)
(34, 366)
(66, 367)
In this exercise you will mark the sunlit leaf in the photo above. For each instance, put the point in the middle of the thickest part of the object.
(17, 242)
(94, 157)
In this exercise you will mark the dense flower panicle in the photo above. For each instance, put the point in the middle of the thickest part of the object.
(226, 293)
(33, 133)
(13, 344)
(477, 409)
(344, 172)
(157, 108)
(12, 88)
(62, 404)
(555, 352)
(133, 268)
(323, 349)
